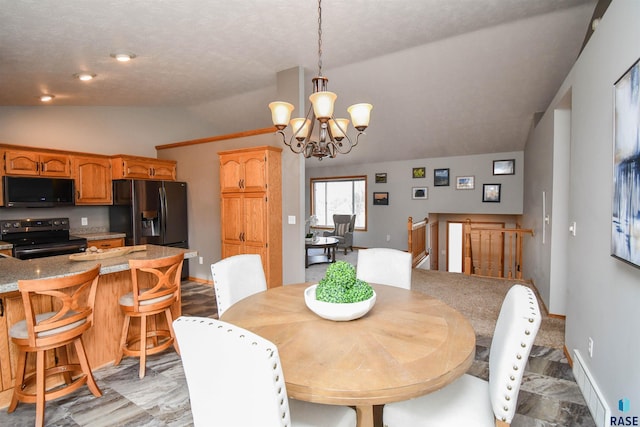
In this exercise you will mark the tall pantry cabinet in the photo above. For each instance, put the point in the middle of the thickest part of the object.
(251, 206)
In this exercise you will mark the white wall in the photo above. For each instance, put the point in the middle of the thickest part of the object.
(392, 219)
(602, 292)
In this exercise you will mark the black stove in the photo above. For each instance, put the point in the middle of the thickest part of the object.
(37, 238)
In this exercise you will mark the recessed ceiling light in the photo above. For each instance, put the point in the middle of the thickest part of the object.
(123, 57)
(85, 77)
(46, 97)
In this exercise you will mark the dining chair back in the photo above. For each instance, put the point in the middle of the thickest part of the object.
(156, 288)
(237, 277)
(57, 313)
(385, 266)
(473, 401)
(235, 378)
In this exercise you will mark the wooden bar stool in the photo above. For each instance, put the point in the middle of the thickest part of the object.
(156, 287)
(57, 312)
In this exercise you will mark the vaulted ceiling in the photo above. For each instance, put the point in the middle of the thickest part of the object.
(446, 77)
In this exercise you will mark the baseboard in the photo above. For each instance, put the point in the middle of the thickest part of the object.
(203, 281)
(567, 355)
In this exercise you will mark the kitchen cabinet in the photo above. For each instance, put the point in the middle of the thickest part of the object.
(36, 163)
(6, 252)
(92, 176)
(244, 172)
(251, 206)
(13, 312)
(133, 167)
(107, 243)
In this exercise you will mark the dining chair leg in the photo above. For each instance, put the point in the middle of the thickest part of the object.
(143, 345)
(21, 368)
(84, 363)
(40, 387)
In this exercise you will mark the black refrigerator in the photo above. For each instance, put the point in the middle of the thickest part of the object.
(151, 212)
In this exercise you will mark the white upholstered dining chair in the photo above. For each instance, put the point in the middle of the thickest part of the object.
(471, 401)
(237, 277)
(385, 266)
(235, 379)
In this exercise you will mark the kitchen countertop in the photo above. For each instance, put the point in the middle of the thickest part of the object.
(100, 236)
(13, 269)
(5, 245)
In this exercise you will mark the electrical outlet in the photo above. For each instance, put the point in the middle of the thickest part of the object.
(590, 347)
(84, 221)
(291, 219)
(200, 260)
(388, 237)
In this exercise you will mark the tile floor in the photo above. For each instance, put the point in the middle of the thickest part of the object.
(549, 395)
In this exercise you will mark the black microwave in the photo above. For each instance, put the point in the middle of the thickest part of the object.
(28, 192)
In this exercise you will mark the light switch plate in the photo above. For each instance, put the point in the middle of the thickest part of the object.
(292, 219)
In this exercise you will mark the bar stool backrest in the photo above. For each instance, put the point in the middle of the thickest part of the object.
(72, 313)
(156, 283)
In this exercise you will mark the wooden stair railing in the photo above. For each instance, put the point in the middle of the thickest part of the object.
(417, 244)
(492, 247)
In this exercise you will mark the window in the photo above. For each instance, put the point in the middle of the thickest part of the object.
(341, 195)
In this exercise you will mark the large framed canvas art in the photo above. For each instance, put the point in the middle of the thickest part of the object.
(625, 221)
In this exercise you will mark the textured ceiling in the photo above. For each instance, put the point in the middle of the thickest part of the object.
(491, 64)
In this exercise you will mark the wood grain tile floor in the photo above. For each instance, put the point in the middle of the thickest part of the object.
(549, 395)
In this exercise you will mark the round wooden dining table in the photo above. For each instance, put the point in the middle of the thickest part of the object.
(408, 345)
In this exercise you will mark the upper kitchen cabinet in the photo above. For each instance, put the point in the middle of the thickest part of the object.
(92, 176)
(36, 163)
(133, 167)
(245, 170)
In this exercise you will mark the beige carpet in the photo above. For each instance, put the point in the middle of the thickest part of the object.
(477, 298)
(480, 299)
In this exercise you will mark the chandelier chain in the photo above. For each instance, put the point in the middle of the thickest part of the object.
(320, 38)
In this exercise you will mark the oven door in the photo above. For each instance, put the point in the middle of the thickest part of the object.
(50, 249)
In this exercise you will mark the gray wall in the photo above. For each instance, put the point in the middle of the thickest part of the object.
(602, 293)
(199, 166)
(391, 220)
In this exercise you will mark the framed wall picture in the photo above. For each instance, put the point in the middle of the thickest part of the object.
(419, 172)
(419, 193)
(441, 177)
(491, 193)
(625, 212)
(504, 167)
(380, 198)
(465, 183)
(381, 178)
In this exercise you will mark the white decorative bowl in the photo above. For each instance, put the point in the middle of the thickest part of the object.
(336, 311)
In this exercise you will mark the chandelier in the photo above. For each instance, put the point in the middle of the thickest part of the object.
(331, 137)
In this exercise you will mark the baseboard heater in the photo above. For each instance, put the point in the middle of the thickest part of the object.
(592, 395)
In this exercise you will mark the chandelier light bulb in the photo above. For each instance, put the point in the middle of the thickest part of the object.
(46, 98)
(300, 127)
(323, 105)
(360, 115)
(280, 113)
(338, 128)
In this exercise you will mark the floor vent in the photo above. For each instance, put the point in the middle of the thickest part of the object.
(592, 394)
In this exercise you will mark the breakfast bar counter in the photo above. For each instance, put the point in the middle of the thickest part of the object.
(102, 340)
